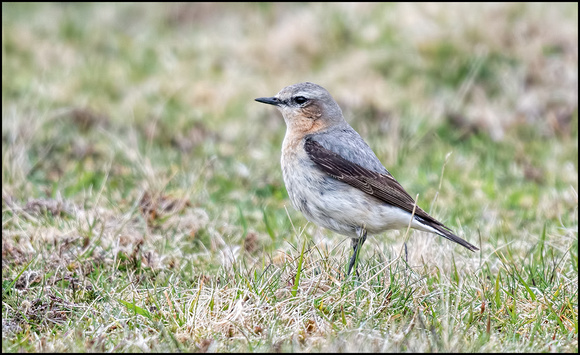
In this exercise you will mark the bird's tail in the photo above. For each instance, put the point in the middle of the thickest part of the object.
(436, 227)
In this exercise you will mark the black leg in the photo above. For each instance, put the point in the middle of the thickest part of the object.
(356, 246)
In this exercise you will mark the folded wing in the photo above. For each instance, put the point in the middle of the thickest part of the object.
(382, 186)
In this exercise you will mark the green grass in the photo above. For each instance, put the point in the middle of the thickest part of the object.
(143, 207)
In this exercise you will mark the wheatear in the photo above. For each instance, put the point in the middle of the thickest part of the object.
(335, 179)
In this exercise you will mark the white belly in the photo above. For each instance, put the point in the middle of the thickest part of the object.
(337, 206)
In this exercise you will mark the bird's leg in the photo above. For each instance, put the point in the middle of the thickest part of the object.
(356, 246)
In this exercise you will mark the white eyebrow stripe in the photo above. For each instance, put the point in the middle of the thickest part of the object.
(302, 93)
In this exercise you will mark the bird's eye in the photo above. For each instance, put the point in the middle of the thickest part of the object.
(300, 100)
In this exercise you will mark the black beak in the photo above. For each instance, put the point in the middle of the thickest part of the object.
(269, 100)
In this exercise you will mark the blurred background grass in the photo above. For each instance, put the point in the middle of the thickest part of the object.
(130, 131)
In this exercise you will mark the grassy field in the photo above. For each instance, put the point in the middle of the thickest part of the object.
(143, 206)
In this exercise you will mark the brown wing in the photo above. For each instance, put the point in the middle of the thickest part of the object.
(382, 186)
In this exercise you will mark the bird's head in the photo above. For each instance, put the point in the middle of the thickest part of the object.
(307, 108)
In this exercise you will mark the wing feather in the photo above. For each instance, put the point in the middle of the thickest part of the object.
(382, 186)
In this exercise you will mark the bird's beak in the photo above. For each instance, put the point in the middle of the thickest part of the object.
(269, 100)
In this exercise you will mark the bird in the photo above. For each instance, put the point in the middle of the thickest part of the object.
(335, 179)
